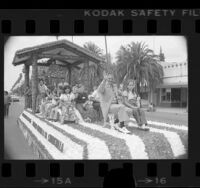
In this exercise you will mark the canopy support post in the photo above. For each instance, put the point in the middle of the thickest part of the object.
(26, 83)
(34, 82)
(70, 74)
(88, 79)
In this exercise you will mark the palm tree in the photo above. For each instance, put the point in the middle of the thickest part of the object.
(92, 47)
(137, 61)
(93, 73)
(111, 67)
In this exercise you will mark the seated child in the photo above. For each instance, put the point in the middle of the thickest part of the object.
(84, 106)
(44, 102)
(49, 106)
(65, 109)
(90, 114)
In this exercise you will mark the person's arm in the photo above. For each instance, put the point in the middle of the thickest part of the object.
(93, 96)
(126, 103)
(72, 97)
(101, 88)
(125, 100)
(76, 97)
(138, 101)
(61, 100)
(46, 90)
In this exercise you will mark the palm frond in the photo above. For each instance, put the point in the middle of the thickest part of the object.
(137, 60)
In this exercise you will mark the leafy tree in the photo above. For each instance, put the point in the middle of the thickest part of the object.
(92, 47)
(91, 74)
(137, 61)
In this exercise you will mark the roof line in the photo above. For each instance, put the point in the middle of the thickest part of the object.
(83, 50)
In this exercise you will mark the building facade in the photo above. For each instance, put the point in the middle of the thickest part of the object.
(173, 92)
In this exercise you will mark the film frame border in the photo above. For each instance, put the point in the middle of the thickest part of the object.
(78, 25)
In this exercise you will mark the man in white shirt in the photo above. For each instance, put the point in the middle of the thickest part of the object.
(109, 103)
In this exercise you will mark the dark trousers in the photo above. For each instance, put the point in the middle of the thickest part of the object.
(29, 101)
(86, 113)
(141, 118)
(97, 107)
(138, 114)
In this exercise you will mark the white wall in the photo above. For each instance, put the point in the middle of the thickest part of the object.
(175, 73)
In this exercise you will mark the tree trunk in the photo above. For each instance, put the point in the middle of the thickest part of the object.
(151, 95)
(34, 82)
(26, 83)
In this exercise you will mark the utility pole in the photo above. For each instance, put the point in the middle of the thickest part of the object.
(106, 49)
(153, 44)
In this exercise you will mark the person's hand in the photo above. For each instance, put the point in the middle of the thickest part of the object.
(105, 75)
(90, 98)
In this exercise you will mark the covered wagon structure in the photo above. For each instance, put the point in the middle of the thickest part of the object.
(60, 57)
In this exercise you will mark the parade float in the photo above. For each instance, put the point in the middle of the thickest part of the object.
(55, 61)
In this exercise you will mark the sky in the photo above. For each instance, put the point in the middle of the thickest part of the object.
(173, 47)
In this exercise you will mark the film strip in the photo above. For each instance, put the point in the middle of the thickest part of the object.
(103, 173)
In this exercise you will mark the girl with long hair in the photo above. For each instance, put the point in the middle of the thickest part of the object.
(132, 101)
(67, 106)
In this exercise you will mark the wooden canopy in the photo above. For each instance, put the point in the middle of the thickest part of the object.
(62, 52)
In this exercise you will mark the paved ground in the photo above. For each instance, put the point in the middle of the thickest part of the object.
(15, 144)
(168, 117)
(17, 147)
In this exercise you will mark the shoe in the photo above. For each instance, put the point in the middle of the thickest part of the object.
(131, 124)
(144, 127)
(125, 130)
(112, 127)
(115, 126)
(119, 129)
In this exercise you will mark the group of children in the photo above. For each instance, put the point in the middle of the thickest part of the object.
(59, 105)
(74, 104)
(66, 103)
